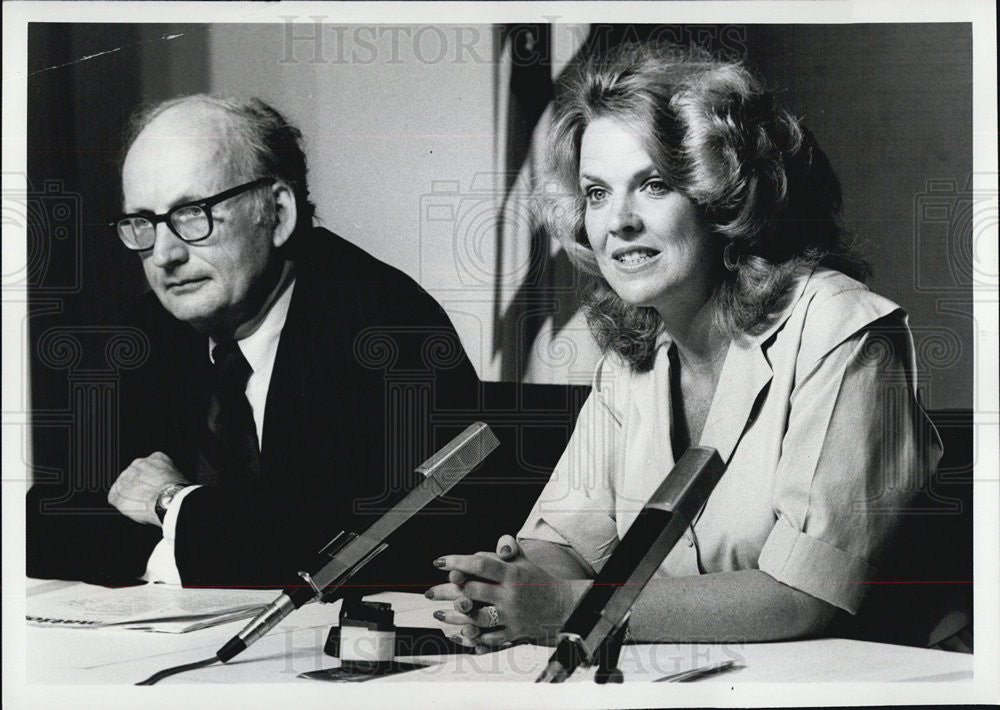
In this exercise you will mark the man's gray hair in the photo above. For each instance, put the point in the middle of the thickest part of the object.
(262, 143)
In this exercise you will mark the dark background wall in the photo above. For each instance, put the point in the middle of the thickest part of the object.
(79, 278)
(891, 105)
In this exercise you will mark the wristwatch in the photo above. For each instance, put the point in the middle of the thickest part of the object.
(166, 497)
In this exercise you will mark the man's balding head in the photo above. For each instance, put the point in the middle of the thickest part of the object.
(192, 149)
(260, 141)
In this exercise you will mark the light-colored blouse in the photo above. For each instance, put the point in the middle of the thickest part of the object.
(818, 422)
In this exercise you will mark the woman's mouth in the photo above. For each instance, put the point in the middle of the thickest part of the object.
(633, 257)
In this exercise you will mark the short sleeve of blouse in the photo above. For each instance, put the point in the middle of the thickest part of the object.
(856, 450)
(576, 507)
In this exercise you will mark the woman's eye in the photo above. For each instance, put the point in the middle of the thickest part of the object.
(596, 194)
(657, 187)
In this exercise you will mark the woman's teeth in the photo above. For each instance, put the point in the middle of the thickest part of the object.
(635, 257)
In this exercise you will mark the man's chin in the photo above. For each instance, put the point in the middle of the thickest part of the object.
(195, 312)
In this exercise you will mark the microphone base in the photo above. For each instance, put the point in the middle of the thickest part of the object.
(569, 656)
(609, 675)
(608, 654)
(555, 672)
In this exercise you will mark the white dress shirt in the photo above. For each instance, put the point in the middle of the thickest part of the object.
(259, 348)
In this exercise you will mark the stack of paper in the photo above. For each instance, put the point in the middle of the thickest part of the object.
(149, 607)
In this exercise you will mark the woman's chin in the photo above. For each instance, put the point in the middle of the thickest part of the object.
(638, 295)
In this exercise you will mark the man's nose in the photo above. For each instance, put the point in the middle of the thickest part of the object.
(624, 218)
(168, 248)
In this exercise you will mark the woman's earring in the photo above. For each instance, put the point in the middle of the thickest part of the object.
(727, 257)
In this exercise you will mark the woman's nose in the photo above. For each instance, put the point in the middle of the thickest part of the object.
(624, 217)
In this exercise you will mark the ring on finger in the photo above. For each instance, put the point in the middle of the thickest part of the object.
(492, 615)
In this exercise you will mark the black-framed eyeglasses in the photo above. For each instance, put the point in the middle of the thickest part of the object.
(191, 221)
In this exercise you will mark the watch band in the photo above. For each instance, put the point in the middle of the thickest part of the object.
(166, 497)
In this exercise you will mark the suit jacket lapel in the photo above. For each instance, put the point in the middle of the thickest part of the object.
(309, 366)
(287, 393)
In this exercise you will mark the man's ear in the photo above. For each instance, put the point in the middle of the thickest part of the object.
(285, 213)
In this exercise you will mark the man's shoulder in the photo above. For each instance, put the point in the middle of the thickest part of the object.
(339, 275)
(329, 258)
(348, 301)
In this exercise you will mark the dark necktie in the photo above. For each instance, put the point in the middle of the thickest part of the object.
(230, 419)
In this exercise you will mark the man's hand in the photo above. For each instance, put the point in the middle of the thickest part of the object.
(135, 492)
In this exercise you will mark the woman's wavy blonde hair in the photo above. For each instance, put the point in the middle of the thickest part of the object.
(756, 174)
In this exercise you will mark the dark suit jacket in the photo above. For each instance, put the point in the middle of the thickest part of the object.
(364, 357)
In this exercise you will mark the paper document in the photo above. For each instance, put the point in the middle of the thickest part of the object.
(149, 607)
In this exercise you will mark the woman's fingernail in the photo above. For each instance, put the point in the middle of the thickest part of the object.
(505, 550)
(465, 605)
(439, 562)
(439, 615)
(456, 639)
(429, 594)
(505, 645)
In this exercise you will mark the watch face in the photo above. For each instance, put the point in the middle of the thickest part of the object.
(165, 498)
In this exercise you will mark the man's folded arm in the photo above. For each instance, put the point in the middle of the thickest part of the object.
(84, 538)
(255, 537)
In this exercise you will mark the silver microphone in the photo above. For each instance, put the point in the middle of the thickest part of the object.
(348, 553)
(603, 610)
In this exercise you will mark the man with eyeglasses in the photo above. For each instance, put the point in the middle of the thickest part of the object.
(263, 421)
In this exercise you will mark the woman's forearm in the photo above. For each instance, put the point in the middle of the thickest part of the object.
(558, 560)
(745, 605)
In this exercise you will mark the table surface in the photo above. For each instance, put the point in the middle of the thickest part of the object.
(118, 656)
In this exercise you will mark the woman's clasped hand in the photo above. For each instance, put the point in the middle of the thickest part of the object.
(503, 597)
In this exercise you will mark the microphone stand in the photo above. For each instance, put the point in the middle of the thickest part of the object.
(595, 630)
(349, 552)
(608, 654)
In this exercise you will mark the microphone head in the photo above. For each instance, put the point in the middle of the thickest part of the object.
(460, 455)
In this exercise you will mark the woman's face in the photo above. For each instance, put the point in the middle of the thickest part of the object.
(651, 244)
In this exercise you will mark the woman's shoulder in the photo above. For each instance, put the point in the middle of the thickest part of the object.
(833, 298)
(824, 282)
(831, 307)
